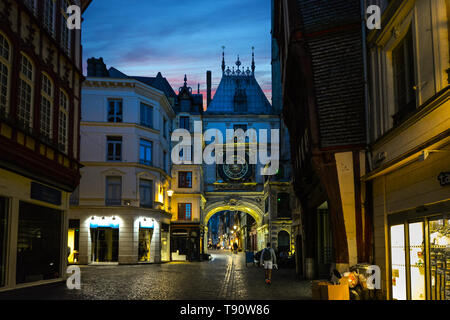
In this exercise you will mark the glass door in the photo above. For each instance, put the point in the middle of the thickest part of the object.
(417, 260)
(398, 260)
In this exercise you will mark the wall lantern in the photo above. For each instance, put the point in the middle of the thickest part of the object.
(170, 193)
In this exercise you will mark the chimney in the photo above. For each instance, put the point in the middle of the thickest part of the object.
(208, 88)
(97, 68)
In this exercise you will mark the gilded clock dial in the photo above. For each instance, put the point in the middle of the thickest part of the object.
(236, 171)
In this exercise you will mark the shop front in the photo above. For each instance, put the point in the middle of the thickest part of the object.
(185, 242)
(117, 236)
(32, 223)
(420, 255)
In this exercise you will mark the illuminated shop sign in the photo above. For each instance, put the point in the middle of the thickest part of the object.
(104, 222)
(146, 223)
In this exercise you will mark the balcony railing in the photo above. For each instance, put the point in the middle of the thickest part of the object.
(147, 205)
(113, 202)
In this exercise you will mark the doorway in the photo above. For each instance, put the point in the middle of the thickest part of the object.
(105, 244)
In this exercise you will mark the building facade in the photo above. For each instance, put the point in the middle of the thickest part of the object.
(188, 237)
(40, 92)
(120, 212)
(409, 148)
(239, 103)
(323, 99)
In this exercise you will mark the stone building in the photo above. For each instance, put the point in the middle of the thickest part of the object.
(120, 212)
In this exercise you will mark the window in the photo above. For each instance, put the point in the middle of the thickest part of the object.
(5, 67)
(46, 107)
(114, 110)
(283, 206)
(65, 32)
(146, 115)
(185, 179)
(49, 16)
(164, 128)
(146, 193)
(404, 77)
(184, 123)
(165, 162)
(184, 211)
(26, 85)
(145, 152)
(63, 121)
(113, 191)
(114, 152)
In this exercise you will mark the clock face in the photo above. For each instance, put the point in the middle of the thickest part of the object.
(236, 171)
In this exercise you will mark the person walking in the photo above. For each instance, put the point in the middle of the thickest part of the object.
(268, 260)
(235, 247)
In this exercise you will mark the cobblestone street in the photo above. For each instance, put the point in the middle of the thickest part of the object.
(224, 277)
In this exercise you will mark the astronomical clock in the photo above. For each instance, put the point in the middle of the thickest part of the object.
(239, 171)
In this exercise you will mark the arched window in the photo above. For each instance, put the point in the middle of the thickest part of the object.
(46, 106)
(26, 85)
(5, 67)
(63, 121)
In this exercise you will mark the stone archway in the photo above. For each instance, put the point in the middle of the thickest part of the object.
(232, 204)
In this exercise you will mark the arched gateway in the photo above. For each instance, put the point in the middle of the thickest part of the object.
(249, 206)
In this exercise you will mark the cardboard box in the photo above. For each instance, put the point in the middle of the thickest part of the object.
(322, 290)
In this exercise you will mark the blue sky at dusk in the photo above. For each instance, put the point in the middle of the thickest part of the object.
(176, 37)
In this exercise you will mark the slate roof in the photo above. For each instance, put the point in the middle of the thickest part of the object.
(239, 86)
(158, 82)
(334, 40)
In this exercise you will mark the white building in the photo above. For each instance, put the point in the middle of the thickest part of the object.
(120, 212)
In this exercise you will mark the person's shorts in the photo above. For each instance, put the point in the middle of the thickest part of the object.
(268, 264)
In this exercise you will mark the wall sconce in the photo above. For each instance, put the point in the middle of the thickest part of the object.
(170, 193)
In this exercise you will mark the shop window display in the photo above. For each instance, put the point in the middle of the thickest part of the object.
(145, 238)
(416, 260)
(439, 237)
(38, 243)
(398, 262)
(105, 244)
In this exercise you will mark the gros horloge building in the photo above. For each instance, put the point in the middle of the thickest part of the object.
(120, 212)
(40, 91)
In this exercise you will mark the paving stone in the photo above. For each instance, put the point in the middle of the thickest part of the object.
(225, 277)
